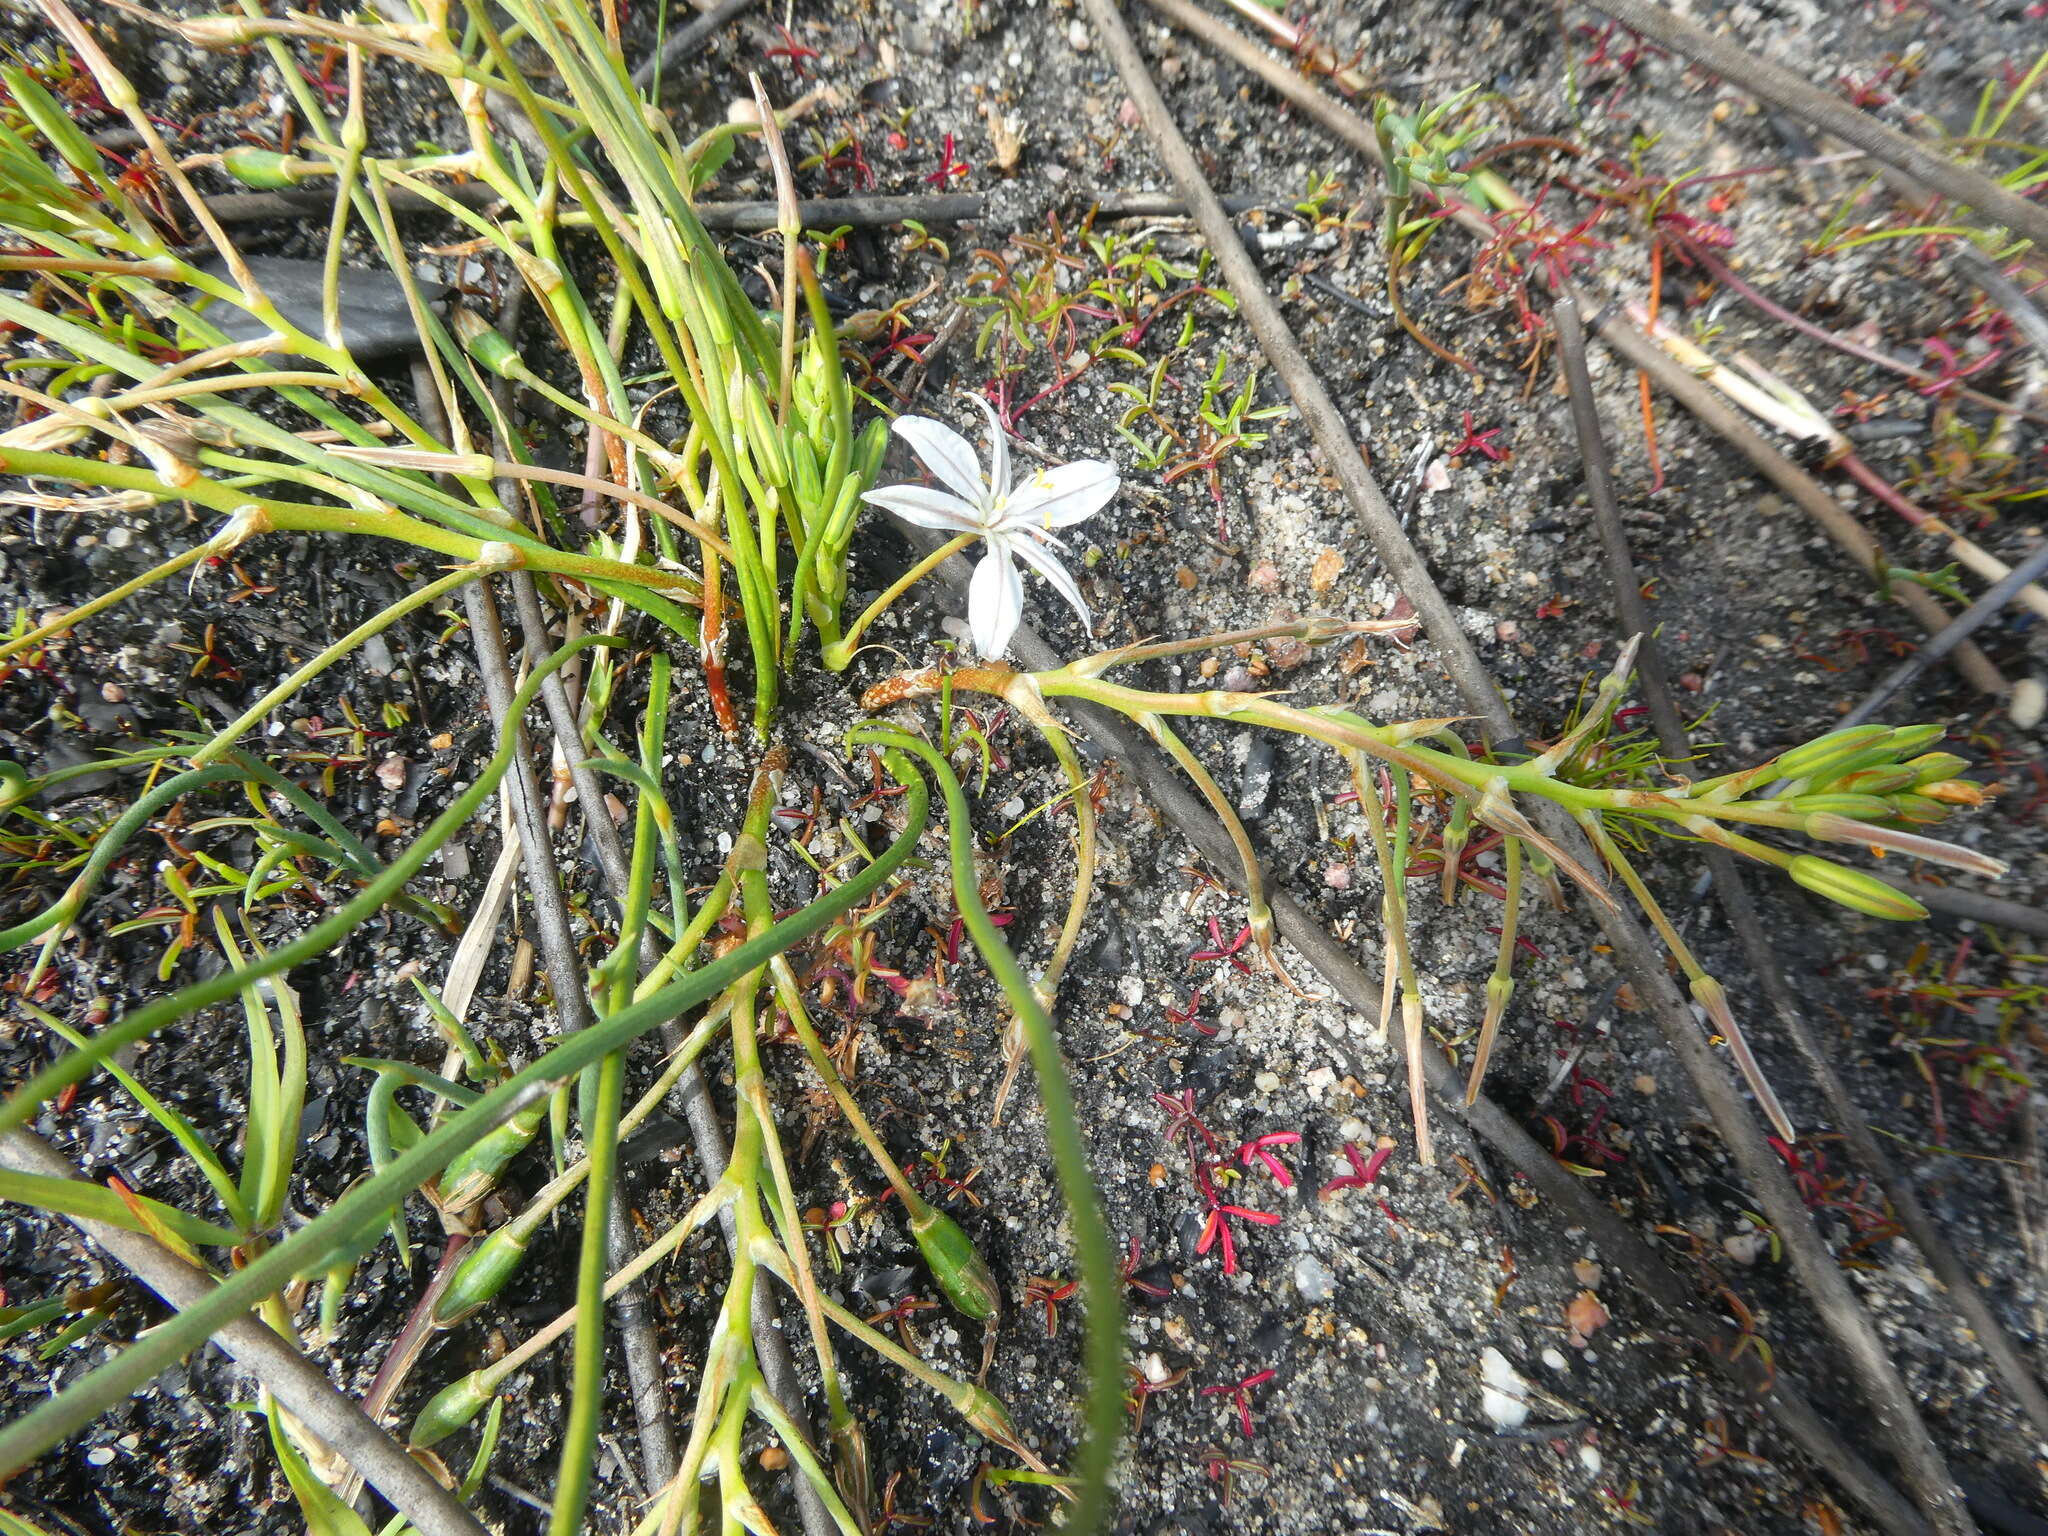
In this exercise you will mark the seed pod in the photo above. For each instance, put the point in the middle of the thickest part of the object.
(1855, 807)
(474, 1172)
(1936, 765)
(985, 1413)
(850, 1465)
(485, 345)
(1823, 752)
(1876, 781)
(451, 1408)
(266, 169)
(956, 1264)
(481, 1274)
(15, 785)
(1917, 810)
(1854, 888)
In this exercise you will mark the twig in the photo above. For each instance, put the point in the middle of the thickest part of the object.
(296, 202)
(1733, 891)
(1898, 1415)
(1804, 491)
(2006, 294)
(942, 208)
(296, 1382)
(566, 977)
(2007, 589)
(1974, 905)
(1759, 300)
(1782, 88)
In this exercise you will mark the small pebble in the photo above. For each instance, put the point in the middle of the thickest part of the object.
(2029, 701)
(1077, 36)
(1505, 1396)
(1313, 1278)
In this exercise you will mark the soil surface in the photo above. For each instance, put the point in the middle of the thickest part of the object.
(1332, 1380)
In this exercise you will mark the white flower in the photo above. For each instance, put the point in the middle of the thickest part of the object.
(1015, 522)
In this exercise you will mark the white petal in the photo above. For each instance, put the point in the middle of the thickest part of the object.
(1061, 497)
(925, 507)
(1055, 573)
(946, 454)
(995, 602)
(998, 449)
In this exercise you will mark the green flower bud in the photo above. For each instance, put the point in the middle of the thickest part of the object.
(1875, 781)
(763, 436)
(1934, 766)
(1808, 761)
(1855, 807)
(1855, 889)
(1910, 739)
(1917, 810)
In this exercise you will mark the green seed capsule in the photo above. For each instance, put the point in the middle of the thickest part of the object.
(1854, 889)
(1823, 752)
(474, 1172)
(15, 785)
(1855, 807)
(486, 346)
(956, 1264)
(481, 1274)
(266, 169)
(451, 1408)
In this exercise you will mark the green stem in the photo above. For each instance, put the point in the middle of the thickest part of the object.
(1103, 1351)
(306, 1250)
(375, 625)
(839, 653)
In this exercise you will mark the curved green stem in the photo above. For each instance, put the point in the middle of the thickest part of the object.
(1103, 1351)
(306, 1250)
(375, 625)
